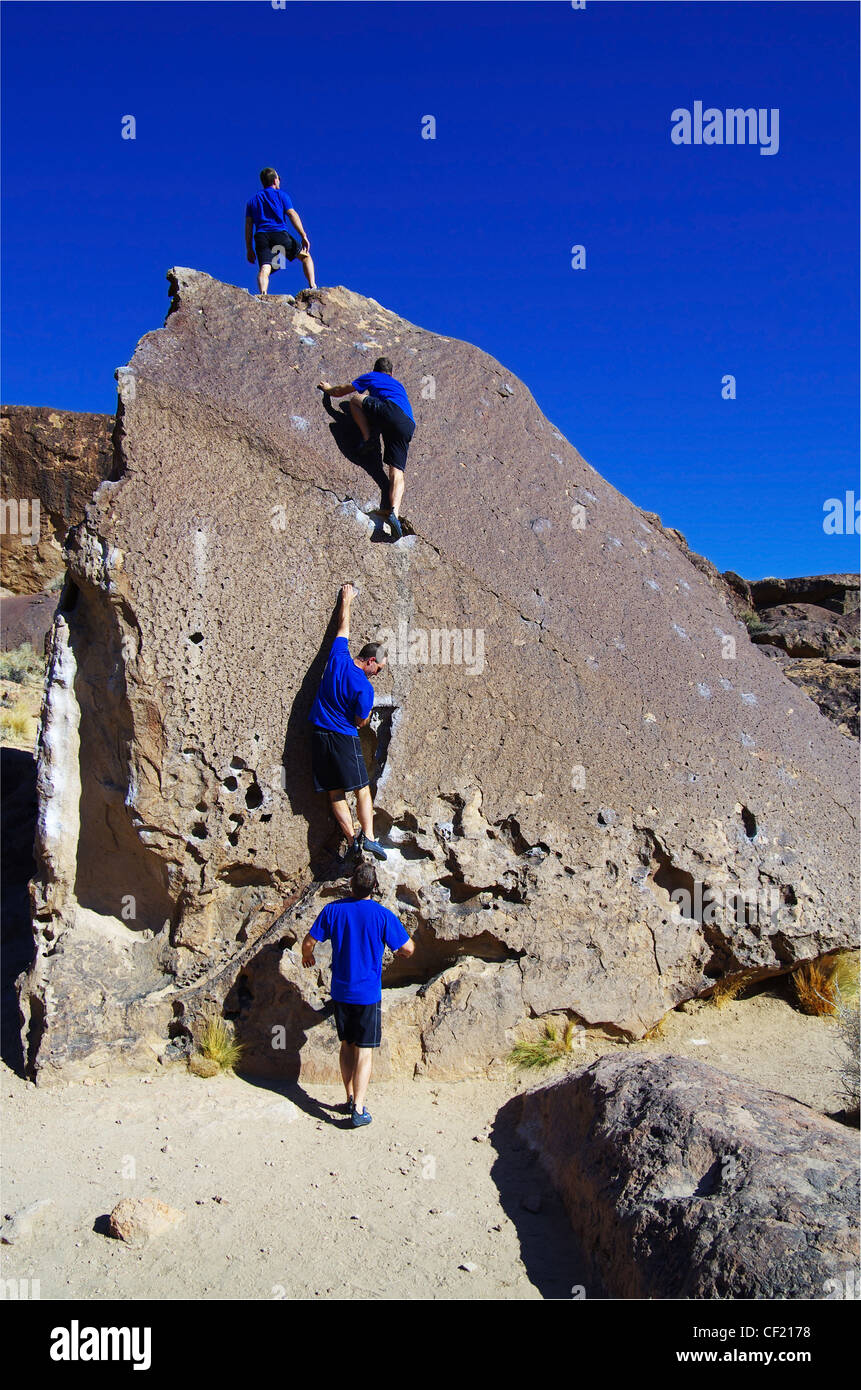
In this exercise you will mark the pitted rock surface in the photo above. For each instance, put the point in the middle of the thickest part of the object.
(576, 744)
(685, 1182)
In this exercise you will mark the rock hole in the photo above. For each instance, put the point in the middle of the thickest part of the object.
(199, 831)
(230, 784)
(749, 823)
(238, 763)
(253, 797)
(196, 637)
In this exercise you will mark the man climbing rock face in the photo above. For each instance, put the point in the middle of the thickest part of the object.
(343, 705)
(266, 217)
(359, 930)
(381, 405)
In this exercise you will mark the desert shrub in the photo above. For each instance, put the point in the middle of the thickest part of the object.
(217, 1045)
(21, 665)
(15, 724)
(730, 988)
(544, 1051)
(818, 984)
(753, 622)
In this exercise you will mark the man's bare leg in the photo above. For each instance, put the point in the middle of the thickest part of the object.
(365, 811)
(342, 814)
(362, 1075)
(396, 488)
(348, 1066)
(263, 278)
(308, 267)
(360, 418)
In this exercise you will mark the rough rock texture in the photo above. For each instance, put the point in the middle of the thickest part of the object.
(683, 1182)
(59, 457)
(809, 625)
(136, 1220)
(572, 729)
(26, 618)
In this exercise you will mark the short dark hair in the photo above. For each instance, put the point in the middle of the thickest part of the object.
(383, 364)
(371, 651)
(268, 177)
(364, 880)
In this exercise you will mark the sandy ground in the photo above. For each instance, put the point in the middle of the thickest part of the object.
(436, 1199)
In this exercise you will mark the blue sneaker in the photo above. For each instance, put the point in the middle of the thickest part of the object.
(373, 847)
(397, 532)
(361, 1117)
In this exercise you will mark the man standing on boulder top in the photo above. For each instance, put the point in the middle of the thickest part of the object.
(266, 216)
(382, 405)
(359, 930)
(343, 706)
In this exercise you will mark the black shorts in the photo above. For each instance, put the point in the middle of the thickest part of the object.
(394, 425)
(264, 242)
(359, 1024)
(337, 761)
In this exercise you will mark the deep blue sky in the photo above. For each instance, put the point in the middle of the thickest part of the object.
(553, 128)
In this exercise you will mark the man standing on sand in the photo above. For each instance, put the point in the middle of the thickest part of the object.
(343, 706)
(382, 405)
(359, 930)
(266, 216)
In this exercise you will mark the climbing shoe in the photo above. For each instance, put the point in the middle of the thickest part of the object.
(396, 526)
(373, 847)
(360, 1117)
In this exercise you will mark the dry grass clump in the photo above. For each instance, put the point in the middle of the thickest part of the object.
(821, 984)
(21, 665)
(731, 987)
(218, 1050)
(546, 1050)
(657, 1030)
(16, 724)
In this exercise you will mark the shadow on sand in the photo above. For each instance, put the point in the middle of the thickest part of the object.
(551, 1256)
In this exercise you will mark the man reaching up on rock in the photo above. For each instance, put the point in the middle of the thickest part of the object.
(343, 706)
(381, 404)
(266, 216)
(359, 930)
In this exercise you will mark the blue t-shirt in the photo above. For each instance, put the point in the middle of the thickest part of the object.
(359, 929)
(345, 697)
(382, 385)
(268, 210)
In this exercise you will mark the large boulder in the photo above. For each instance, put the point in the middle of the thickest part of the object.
(587, 776)
(683, 1182)
(55, 458)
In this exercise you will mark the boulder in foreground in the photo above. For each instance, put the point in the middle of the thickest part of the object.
(684, 1182)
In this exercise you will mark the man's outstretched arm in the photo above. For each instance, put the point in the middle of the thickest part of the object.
(329, 390)
(249, 244)
(348, 593)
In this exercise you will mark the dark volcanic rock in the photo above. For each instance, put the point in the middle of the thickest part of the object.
(577, 743)
(807, 630)
(837, 592)
(59, 457)
(26, 618)
(685, 1182)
